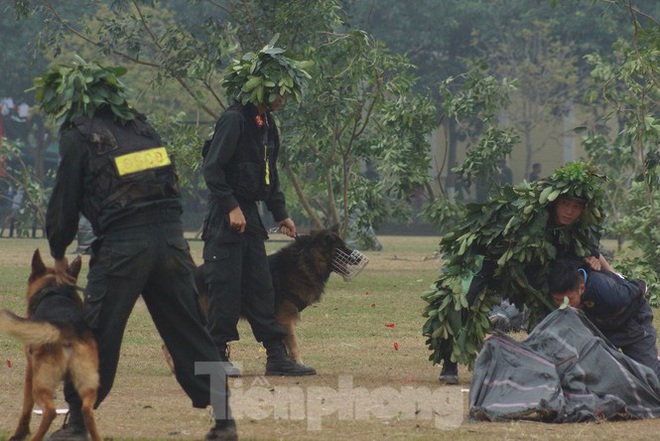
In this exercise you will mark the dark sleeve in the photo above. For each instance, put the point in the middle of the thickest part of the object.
(611, 293)
(64, 205)
(223, 145)
(276, 203)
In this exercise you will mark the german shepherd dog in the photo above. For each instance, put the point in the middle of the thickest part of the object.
(58, 346)
(300, 272)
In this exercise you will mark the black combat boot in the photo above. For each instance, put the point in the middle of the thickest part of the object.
(223, 430)
(230, 369)
(73, 428)
(279, 362)
(449, 372)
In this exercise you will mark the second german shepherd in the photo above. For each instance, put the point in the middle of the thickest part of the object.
(58, 346)
(300, 272)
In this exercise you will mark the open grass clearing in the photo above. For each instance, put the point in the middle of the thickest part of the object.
(375, 381)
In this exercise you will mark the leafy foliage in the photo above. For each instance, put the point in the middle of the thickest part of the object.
(258, 78)
(514, 232)
(19, 174)
(626, 87)
(642, 259)
(66, 92)
(360, 115)
(472, 101)
(547, 78)
(359, 141)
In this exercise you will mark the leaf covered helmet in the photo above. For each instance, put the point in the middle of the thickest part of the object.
(65, 92)
(576, 180)
(259, 78)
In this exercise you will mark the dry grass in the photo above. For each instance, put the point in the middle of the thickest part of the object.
(375, 381)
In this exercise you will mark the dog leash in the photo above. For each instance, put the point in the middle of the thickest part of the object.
(276, 230)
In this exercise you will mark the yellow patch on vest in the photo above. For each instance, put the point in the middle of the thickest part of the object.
(267, 166)
(142, 160)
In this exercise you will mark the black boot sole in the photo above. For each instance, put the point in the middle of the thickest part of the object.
(289, 373)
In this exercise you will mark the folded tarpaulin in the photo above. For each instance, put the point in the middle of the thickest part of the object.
(565, 371)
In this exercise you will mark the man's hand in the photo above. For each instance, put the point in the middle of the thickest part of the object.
(599, 264)
(62, 277)
(237, 220)
(593, 263)
(288, 227)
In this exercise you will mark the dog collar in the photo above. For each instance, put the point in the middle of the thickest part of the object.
(297, 301)
(64, 291)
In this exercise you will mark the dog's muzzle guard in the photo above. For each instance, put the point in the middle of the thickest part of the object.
(348, 265)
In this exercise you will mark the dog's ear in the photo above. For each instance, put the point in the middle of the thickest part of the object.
(38, 267)
(74, 268)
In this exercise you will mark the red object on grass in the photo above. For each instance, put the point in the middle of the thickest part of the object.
(396, 346)
(390, 325)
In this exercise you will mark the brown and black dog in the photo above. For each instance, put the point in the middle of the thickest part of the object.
(300, 272)
(58, 346)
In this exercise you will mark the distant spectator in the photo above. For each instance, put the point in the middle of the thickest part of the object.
(22, 113)
(506, 175)
(10, 220)
(535, 174)
(6, 106)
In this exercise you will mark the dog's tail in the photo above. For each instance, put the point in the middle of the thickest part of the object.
(27, 331)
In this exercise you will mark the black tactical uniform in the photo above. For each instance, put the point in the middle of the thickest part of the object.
(240, 168)
(122, 179)
(619, 309)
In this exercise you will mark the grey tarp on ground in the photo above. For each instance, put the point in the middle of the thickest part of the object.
(565, 371)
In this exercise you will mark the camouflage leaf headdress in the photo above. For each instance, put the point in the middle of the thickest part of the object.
(65, 92)
(258, 78)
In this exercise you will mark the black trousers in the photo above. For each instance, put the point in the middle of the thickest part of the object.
(637, 338)
(240, 283)
(153, 261)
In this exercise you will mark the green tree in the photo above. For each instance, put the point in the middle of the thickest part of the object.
(365, 148)
(360, 110)
(19, 174)
(443, 37)
(547, 78)
(472, 102)
(624, 136)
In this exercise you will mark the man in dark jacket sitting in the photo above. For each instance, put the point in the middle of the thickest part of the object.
(617, 307)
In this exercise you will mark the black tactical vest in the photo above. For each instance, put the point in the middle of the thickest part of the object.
(249, 173)
(127, 161)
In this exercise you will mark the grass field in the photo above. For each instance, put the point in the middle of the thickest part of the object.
(374, 379)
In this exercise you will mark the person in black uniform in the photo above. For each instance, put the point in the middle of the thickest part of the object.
(116, 172)
(240, 169)
(616, 306)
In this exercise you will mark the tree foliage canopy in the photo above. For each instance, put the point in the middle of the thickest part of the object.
(360, 113)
